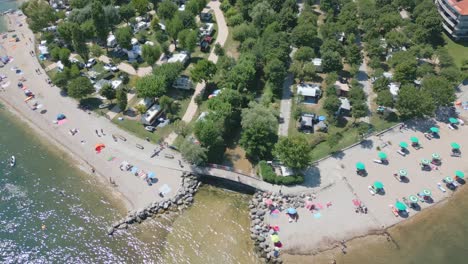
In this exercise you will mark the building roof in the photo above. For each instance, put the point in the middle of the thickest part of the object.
(308, 89)
(178, 57)
(317, 62)
(285, 171)
(342, 86)
(461, 6)
(307, 120)
(151, 113)
(345, 104)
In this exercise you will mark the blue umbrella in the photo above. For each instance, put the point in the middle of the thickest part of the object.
(134, 170)
(60, 116)
(151, 175)
(322, 118)
(292, 211)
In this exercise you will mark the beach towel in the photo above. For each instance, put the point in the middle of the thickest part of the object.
(317, 215)
(319, 206)
(61, 122)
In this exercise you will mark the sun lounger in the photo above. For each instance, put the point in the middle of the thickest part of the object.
(394, 210)
(401, 153)
(371, 190)
(460, 122)
(398, 178)
(378, 161)
(455, 155)
(428, 136)
(450, 126)
(455, 183)
(439, 185)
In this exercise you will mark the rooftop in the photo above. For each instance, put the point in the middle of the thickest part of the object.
(308, 89)
(461, 6)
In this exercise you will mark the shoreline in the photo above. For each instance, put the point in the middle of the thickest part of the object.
(132, 191)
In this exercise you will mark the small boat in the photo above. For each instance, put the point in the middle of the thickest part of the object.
(12, 161)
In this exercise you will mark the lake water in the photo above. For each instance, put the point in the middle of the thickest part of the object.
(43, 190)
(5, 5)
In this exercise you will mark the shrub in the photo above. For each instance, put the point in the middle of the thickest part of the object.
(268, 175)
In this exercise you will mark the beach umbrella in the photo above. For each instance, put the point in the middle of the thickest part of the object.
(435, 156)
(425, 161)
(413, 198)
(356, 202)
(360, 166)
(151, 175)
(455, 145)
(134, 170)
(322, 118)
(448, 179)
(434, 130)
(292, 210)
(459, 174)
(382, 155)
(453, 120)
(403, 172)
(414, 139)
(268, 202)
(99, 147)
(426, 192)
(400, 206)
(378, 185)
(403, 144)
(275, 238)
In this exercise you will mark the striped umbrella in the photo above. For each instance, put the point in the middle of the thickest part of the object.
(460, 174)
(413, 198)
(426, 192)
(403, 172)
(414, 139)
(435, 156)
(382, 155)
(425, 161)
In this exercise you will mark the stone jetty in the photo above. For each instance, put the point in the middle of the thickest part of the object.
(260, 232)
(180, 201)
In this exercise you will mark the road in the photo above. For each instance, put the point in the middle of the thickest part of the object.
(221, 39)
(285, 107)
(363, 78)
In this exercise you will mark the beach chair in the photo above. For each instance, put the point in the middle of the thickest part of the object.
(371, 190)
(378, 161)
(397, 177)
(450, 127)
(428, 136)
(401, 153)
(439, 185)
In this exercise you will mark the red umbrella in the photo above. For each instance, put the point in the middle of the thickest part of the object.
(356, 202)
(268, 202)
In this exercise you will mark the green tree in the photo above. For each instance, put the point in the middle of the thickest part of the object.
(405, 72)
(193, 153)
(294, 151)
(209, 132)
(40, 14)
(150, 53)
(96, 50)
(122, 100)
(89, 29)
(203, 71)
(304, 54)
(413, 102)
(108, 92)
(452, 74)
(275, 71)
(126, 12)
(385, 98)
(359, 109)
(188, 39)
(64, 54)
(305, 35)
(181, 128)
(65, 30)
(124, 36)
(262, 15)
(331, 104)
(441, 90)
(174, 26)
(79, 42)
(141, 108)
(219, 50)
(141, 6)
(353, 55)
(331, 61)
(100, 20)
(80, 87)
(259, 128)
(151, 86)
(167, 9)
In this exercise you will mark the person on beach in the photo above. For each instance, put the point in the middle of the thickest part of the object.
(97, 133)
(102, 131)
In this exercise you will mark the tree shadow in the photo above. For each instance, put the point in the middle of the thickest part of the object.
(421, 125)
(91, 103)
(367, 144)
(131, 113)
(312, 177)
(338, 154)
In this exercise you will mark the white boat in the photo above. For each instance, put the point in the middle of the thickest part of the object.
(12, 161)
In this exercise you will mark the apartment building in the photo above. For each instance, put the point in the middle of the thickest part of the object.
(455, 17)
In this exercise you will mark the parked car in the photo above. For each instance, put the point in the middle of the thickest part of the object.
(102, 106)
(206, 17)
(91, 63)
(150, 128)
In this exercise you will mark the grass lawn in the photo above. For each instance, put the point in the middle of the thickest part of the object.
(231, 45)
(458, 50)
(136, 128)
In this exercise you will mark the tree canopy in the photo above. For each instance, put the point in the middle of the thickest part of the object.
(124, 36)
(150, 53)
(294, 151)
(414, 103)
(80, 87)
(203, 71)
(151, 86)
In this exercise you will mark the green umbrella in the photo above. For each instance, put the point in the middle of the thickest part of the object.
(453, 120)
(448, 179)
(360, 166)
(275, 238)
(414, 139)
(413, 198)
(434, 130)
(403, 144)
(455, 145)
(426, 192)
(435, 156)
(400, 206)
(382, 155)
(425, 161)
(378, 185)
(460, 174)
(403, 172)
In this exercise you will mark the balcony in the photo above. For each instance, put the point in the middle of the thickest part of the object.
(442, 4)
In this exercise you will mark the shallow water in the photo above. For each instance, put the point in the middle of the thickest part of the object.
(43, 189)
(5, 5)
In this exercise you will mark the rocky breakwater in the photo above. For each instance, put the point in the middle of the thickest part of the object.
(180, 201)
(263, 203)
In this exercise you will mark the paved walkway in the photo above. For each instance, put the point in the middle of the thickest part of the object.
(221, 39)
(286, 104)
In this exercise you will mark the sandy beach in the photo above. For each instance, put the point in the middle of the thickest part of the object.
(133, 189)
(336, 184)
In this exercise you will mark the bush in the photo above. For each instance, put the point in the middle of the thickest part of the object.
(268, 175)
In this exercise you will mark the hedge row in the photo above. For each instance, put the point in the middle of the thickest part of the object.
(269, 175)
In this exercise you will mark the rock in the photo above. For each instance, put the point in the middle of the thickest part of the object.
(256, 221)
(189, 199)
(138, 219)
(253, 236)
(130, 220)
(110, 231)
(179, 202)
(261, 239)
(166, 205)
(117, 224)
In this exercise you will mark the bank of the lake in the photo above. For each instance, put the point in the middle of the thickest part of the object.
(4, 6)
(75, 209)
